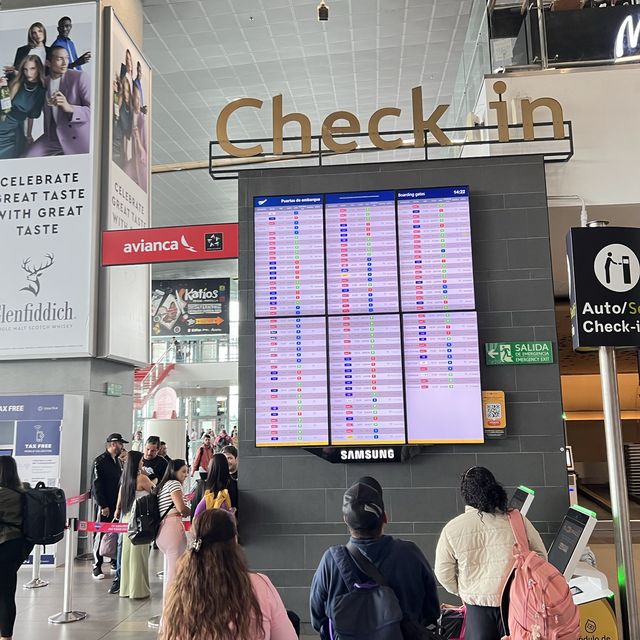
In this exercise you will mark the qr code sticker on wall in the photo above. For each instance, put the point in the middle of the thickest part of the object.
(494, 411)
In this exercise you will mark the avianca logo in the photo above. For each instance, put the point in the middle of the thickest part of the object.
(158, 246)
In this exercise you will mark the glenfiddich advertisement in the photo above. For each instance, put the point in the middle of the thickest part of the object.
(47, 226)
(124, 328)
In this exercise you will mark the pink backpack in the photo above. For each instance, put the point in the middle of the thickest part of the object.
(540, 603)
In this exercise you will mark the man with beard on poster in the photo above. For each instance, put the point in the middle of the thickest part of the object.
(67, 110)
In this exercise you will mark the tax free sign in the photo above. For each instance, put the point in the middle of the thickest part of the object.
(604, 287)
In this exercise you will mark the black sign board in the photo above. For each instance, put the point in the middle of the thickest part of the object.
(604, 287)
(365, 454)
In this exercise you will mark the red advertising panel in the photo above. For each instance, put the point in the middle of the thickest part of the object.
(170, 244)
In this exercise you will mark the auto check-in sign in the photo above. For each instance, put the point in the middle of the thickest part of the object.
(604, 286)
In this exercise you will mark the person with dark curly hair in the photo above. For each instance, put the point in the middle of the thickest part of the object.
(475, 553)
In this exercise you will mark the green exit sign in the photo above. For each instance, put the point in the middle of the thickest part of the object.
(114, 389)
(537, 352)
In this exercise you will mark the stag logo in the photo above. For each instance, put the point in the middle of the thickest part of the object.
(34, 273)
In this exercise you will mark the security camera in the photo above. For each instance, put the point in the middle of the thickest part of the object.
(323, 11)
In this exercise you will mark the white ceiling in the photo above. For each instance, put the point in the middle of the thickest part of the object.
(205, 53)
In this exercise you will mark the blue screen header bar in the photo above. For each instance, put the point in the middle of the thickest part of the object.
(290, 201)
(434, 194)
(359, 197)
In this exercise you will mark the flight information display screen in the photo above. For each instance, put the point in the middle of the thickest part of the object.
(362, 264)
(366, 331)
(435, 253)
(289, 258)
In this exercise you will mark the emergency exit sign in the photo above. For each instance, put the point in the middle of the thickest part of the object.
(114, 389)
(537, 352)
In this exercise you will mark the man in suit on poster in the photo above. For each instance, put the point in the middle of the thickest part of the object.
(67, 110)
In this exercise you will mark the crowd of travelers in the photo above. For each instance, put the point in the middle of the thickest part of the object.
(210, 593)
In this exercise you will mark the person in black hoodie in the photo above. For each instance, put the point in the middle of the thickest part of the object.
(400, 562)
(105, 482)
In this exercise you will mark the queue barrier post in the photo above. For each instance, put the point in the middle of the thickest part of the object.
(88, 546)
(36, 582)
(67, 614)
(154, 621)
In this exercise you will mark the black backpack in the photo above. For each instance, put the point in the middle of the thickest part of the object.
(145, 519)
(371, 610)
(44, 514)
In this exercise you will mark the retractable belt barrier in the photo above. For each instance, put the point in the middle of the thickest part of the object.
(78, 499)
(112, 527)
(36, 581)
(73, 524)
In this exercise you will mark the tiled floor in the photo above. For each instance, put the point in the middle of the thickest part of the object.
(109, 617)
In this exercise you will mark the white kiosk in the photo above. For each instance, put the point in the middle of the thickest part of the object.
(522, 499)
(589, 587)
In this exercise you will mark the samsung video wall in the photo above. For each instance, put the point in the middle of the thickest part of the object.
(366, 330)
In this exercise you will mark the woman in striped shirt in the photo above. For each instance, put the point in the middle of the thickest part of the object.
(172, 540)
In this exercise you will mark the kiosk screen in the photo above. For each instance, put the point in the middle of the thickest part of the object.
(565, 543)
(518, 500)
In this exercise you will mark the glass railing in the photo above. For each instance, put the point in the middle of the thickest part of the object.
(563, 33)
(475, 62)
(209, 350)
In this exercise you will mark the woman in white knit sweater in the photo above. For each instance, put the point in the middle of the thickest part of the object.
(475, 553)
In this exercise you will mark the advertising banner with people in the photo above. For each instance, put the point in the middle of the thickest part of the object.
(130, 131)
(127, 160)
(198, 307)
(48, 72)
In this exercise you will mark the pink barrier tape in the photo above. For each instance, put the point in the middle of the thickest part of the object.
(78, 499)
(103, 527)
(113, 527)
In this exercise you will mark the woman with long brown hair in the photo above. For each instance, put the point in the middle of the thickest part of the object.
(215, 597)
(27, 99)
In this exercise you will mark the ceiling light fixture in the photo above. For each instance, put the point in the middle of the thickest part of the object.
(323, 12)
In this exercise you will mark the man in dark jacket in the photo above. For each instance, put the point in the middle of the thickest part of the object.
(401, 563)
(105, 482)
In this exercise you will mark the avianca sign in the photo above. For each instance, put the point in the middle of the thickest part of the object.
(169, 244)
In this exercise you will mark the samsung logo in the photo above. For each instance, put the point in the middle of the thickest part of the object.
(367, 454)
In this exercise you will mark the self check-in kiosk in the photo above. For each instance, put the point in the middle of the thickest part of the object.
(589, 587)
(522, 499)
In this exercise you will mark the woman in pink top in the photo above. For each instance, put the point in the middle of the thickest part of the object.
(215, 597)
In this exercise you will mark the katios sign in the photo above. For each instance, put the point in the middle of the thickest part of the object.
(170, 244)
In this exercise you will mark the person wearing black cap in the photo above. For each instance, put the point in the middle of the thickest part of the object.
(401, 563)
(105, 482)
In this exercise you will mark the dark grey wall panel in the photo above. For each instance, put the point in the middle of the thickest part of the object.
(291, 500)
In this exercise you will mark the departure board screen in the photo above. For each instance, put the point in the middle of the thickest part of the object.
(366, 331)
(365, 363)
(291, 381)
(435, 253)
(362, 265)
(442, 376)
(289, 256)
